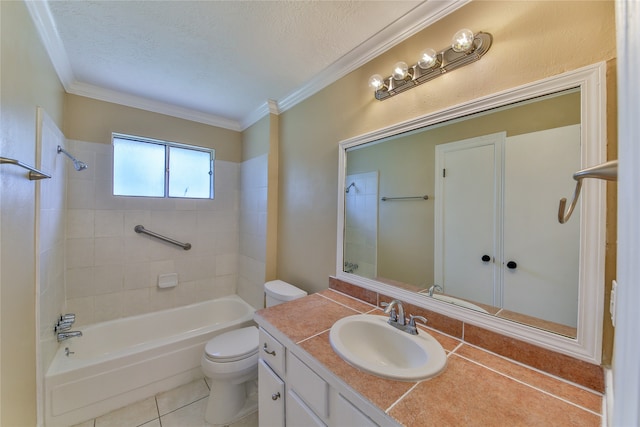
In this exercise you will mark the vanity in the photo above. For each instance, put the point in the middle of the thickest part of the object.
(304, 382)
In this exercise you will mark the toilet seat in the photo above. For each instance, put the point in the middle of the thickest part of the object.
(232, 346)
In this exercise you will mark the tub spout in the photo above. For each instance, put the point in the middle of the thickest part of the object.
(66, 335)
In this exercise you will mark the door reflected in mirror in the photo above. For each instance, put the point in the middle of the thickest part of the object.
(464, 211)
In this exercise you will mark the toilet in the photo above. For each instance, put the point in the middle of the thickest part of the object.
(230, 361)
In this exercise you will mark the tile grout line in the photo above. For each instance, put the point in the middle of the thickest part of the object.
(530, 385)
(534, 369)
(158, 409)
(339, 303)
(401, 397)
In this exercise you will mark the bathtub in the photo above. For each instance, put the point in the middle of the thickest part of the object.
(122, 361)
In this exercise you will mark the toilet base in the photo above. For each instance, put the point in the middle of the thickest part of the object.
(229, 403)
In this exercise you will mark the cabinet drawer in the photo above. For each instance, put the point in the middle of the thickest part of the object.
(270, 397)
(272, 352)
(308, 385)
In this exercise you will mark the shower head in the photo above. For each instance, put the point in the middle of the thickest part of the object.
(77, 164)
(353, 184)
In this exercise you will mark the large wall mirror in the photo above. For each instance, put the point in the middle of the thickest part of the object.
(457, 211)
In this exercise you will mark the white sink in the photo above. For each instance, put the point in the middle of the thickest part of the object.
(369, 343)
(459, 302)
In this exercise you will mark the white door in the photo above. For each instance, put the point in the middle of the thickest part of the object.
(541, 256)
(467, 217)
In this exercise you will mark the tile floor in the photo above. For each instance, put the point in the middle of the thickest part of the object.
(181, 407)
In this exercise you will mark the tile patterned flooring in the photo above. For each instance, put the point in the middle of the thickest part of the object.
(183, 406)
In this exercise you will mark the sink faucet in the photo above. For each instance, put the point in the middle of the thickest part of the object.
(393, 318)
(434, 288)
(66, 335)
(398, 320)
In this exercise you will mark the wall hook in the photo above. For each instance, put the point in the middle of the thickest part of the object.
(607, 171)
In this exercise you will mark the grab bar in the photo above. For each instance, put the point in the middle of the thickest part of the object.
(607, 171)
(34, 174)
(425, 197)
(141, 229)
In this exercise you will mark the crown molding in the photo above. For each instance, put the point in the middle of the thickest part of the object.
(46, 27)
(116, 97)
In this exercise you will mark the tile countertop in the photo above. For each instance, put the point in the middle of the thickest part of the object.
(476, 388)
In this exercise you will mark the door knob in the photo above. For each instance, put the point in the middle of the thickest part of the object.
(275, 396)
(512, 265)
(486, 258)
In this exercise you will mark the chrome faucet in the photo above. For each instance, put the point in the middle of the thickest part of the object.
(66, 335)
(397, 320)
(434, 288)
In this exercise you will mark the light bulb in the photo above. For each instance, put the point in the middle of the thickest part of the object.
(427, 59)
(462, 40)
(400, 70)
(376, 82)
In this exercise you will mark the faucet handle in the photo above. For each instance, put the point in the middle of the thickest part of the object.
(69, 317)
(62, 326)
(411, 327)
(412, 320)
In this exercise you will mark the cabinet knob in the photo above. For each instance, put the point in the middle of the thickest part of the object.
(266, 350)
(512, 265)
(486, 258)
(275, 396)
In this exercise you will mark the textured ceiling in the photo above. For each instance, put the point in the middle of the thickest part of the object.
(222, 59)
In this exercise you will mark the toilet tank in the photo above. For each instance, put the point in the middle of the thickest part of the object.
(278, 291)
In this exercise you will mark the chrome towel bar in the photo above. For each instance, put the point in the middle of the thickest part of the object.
(141, 229)
(34, 174)
(425, 197)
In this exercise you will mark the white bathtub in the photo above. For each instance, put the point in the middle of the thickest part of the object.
(121, 361)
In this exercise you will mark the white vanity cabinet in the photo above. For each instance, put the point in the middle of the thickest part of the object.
(296, 391)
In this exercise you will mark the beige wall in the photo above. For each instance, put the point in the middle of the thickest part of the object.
(91, 120)
(532, 40)
(28, 80)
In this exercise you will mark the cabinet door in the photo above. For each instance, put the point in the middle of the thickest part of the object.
(543, 282)
(345, 414)
(270, 397)
(299, 414)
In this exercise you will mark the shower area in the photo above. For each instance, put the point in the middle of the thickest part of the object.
(91, 262)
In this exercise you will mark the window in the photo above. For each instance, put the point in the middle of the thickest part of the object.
(151, 168)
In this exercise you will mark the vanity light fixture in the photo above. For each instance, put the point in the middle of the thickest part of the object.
(466, 47)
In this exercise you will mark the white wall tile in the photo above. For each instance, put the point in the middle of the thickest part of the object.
(122, 266)
(108, 223)
(79, 253)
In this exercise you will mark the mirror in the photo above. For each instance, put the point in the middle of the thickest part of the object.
(458, 211)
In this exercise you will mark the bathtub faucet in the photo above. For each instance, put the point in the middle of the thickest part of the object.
(66, 335)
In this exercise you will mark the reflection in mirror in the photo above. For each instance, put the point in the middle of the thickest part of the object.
(463, 211)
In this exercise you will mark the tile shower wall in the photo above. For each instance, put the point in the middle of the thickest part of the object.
(253, 229)
(112, 272)
(50, 236)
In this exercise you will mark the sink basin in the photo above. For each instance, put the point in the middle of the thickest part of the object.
(459, 302)
(369, 343)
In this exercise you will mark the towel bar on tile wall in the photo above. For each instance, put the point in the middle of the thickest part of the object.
(607, 171)
(141, 229)
(34, 174)
(425, 197)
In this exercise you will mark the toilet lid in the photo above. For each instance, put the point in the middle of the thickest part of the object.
(233, 345)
